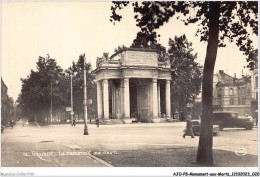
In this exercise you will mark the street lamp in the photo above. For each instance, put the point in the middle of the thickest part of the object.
(71, 99)
(85, 98)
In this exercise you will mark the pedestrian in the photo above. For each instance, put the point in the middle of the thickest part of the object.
(97, 122)
(11, 123)
(188, 130)
(74, 122)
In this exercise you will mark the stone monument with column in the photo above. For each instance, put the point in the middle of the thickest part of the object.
(133, 85)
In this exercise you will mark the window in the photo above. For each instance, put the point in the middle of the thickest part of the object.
(235, 90)
(238, 101)
(238, 90)
(226, 90)
(231, 101)
(231, 91)
(244, 100)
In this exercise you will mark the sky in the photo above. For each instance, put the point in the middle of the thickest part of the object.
(64, 30)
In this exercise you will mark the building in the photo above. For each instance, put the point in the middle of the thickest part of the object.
(233, 94)
(132, 83)
(254, 88)
(5, 104)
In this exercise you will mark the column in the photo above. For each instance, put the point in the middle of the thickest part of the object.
(122, 105)
(113, 99)
(99, 100)
(159, 98)
(168, 98)
(126, 99)
(105, 99)
(155, 101)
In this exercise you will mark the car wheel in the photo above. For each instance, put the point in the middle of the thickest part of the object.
(248, 127)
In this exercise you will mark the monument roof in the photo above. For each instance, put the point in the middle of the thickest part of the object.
(133, 49)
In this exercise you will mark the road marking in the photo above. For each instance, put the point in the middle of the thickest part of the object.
(76, 147)
(100, 160)
(42, 158)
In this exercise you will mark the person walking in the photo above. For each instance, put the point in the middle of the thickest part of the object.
(74, 122)
(188, 130)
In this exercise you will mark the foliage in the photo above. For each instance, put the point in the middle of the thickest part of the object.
(238, 20)
(77, 71)
(35, 97)
(187, 73)
(42, 86)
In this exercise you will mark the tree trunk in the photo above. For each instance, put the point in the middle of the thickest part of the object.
(205, 154)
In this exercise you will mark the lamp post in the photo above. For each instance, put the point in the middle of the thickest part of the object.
(71, 99)
(51, 102)
(85, 98)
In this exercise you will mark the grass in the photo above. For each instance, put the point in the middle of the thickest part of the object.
(175, 157)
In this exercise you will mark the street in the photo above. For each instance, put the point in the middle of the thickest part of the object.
(62, 145)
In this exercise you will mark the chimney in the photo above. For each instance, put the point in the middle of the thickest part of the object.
(235, 75)
(221, 71)
(242, 73)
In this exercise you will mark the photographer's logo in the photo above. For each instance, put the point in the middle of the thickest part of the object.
(241, 151)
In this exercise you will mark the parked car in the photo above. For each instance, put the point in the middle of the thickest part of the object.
(196, 128)
(230, 119)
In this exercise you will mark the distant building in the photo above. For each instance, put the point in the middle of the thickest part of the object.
(254, 88)
(4, 96)
(234, 94)
(5, 105)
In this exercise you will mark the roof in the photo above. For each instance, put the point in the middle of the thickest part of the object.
(225, 79)
(134, 49)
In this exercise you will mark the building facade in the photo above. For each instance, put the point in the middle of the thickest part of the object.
(233, 94)
(130, 85)
(254, 88)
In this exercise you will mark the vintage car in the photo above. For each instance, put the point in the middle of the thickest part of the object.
(230, 119)
(196, 128)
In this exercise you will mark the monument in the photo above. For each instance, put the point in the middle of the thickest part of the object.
(132, 83)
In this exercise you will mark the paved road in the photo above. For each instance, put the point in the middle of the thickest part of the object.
(63, 145)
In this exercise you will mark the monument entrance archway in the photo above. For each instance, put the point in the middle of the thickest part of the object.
(129, 85)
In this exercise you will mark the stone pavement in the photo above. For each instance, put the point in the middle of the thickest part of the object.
(33, 146)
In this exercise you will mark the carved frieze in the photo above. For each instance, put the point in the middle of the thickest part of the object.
(138, 58)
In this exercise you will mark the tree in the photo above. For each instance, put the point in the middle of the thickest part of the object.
(42, 85)
(77, 70)
(217, 23)
(186, 83)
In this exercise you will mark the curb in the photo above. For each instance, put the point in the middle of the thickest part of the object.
(100, 160)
